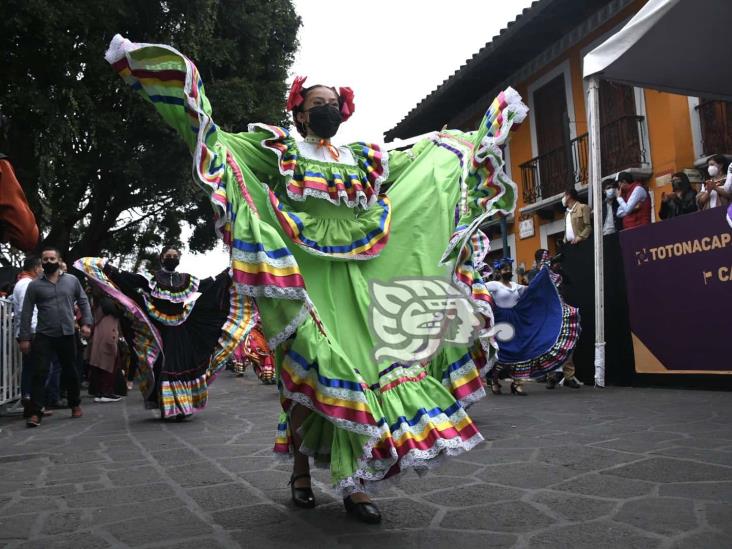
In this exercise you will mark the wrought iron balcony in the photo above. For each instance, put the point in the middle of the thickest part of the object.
(715, 118)
(550, 174)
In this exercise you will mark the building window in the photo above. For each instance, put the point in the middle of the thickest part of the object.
(715, 119)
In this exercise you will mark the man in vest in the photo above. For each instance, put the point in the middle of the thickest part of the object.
(634, 204)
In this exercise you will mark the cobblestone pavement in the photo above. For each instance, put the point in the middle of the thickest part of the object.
(566, 468)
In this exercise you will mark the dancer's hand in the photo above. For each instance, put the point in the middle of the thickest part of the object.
(25, 347)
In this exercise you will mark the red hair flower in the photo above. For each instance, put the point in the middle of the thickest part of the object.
(347, 105)
(295, 98)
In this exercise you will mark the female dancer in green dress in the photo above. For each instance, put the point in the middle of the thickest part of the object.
(311, 232)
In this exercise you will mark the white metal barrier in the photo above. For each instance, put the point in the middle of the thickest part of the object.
(10, 357)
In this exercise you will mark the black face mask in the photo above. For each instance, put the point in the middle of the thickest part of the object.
(324, 120)
(170, 263)
(506, 276)
(50, 268)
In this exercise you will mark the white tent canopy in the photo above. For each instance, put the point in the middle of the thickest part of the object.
(677, 46)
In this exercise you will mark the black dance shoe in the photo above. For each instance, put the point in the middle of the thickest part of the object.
(365, 511)
(302, 497)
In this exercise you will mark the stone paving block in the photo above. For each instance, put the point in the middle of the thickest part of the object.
(529, 443)
(640, 442)
(16, 476)
(77, 472)
(178, 456)
(594, 535)
(665, 516)
(251, 517)
(420, 539)
(333, 520)
(526, 475)
(196, 474)
(125, 455)
(224, 496)
(17, 527)
(90, 486)
(121, 466)
(100, 498)
(511, 516)
(198, 543)
(118, 513)
(220, 451)
(61, 523)
(283, 538)
(474, 494)
(49, 491)
(704, 540)
(434, 480)
(582, 458)
(245, 464)
(606, 486)
(574, 508)
(167, 526)
(698, 454)
(490, 456)
(671, 470)
(134, 475)
(458, 468)
(710, 443)
(267, 480)
(76, 457)
(719, 515)
(78, 540)
(31, 505)
(713, 491)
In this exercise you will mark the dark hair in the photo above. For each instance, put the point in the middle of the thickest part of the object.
(573, 194)
(31, 262)
(610, 183)
(169, 247)
(52, 249)
(539, 254)
(625, 176)
(721, 160)
(304, 93)
(684, 184)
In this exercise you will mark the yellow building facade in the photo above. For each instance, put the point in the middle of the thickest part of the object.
(648, 133)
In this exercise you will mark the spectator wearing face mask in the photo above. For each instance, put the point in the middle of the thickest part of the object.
(717, 190)
(578, 226)
(681, 201)
(634, 204)
(611, 223)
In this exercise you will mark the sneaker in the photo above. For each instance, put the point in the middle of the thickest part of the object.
(76, 412)
(33, 421)
(572, 383)
(108, 398)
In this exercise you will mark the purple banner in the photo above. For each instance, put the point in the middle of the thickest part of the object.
(679, 280)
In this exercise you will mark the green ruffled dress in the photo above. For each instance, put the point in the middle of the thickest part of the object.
(308, 236)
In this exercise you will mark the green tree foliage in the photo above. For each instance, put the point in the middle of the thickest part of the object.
(102, 173)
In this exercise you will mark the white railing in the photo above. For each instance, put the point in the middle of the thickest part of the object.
(10, 358)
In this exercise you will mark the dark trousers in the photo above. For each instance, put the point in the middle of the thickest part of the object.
(44, 348)
(26, 376)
